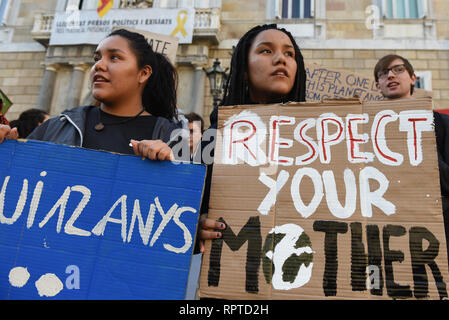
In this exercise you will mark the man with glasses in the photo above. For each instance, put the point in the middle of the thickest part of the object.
(395, 78)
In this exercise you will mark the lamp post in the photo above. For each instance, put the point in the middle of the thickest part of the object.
(217, 81)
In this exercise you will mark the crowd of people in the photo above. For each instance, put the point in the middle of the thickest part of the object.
(137, 91)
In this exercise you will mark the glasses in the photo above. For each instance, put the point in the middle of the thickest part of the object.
(397, 69)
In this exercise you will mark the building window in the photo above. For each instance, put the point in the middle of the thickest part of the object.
(4, 6)
(136, 3)
(296, 9)
(424, 80)
(405, 9)
(73, 5)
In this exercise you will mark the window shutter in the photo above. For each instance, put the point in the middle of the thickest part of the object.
(384, 6)
(272, 11)
(3, 4)
(422, 9)
(72, 4)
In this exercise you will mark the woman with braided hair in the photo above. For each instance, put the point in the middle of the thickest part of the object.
(266, 67)
(243, 85)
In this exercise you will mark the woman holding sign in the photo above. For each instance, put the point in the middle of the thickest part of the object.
(138, 101)
(266, 67)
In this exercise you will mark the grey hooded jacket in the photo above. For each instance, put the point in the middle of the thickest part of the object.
(68, 128)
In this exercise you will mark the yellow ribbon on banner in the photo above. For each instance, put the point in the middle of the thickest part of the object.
(181, 22)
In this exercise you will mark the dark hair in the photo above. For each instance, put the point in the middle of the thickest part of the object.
(28, 121)
(192, 116)
(236, 92)
(385, 61)
(159, 94)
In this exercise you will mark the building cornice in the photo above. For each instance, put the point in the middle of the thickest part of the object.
(22, 47)
(360, 44)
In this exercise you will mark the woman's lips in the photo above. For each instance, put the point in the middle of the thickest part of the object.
(280, 73)
(97, 79)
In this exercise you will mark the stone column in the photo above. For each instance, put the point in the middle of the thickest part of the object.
(198, 84)
(76, 85)
(47, 88)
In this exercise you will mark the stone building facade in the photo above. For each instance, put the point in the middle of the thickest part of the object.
(341, 34)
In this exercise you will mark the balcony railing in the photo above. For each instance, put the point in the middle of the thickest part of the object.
(206, 25)
(43, 23)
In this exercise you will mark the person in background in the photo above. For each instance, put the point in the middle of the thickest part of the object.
(196, 128)
(266, 67)
(138, 103)
(395, 78)
(28, 121)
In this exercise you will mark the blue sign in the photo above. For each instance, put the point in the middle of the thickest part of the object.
(84, 224)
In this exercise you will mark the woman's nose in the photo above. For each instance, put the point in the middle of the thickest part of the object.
(279, 58)
(99, 65)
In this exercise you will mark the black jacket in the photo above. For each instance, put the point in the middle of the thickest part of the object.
(68, 128)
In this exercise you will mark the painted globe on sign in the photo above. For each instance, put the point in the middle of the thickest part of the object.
(288, 256)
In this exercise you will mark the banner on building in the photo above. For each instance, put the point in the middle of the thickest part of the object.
(327, 200)
(85, 224)
(87, 27)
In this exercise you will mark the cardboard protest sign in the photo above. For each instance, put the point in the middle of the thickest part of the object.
(85, 224)
(326, 83)
(327, 200)
(5, 103)
(167, 45)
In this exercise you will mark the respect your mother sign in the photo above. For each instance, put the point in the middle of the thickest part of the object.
(335, 200)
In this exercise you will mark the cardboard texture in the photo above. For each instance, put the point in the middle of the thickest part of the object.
(83, 224)
(326, 83)
(335, 200)
(161, 43)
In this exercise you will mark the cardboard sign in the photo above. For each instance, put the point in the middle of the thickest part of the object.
(5, 103)
(325, 83)
(84, 224)
(166, 45)
(334, 200)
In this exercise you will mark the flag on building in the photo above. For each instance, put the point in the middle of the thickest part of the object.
(104, 6)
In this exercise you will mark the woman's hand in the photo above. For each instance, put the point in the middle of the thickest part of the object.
(7, 133)
(208, 230)
(152, 149)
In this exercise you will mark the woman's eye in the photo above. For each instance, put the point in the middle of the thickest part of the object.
(265, 51)
(96, 58)
(289, 53)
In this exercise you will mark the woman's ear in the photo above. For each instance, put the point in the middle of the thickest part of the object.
(145, 74)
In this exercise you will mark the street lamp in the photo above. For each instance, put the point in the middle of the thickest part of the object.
(217, 80)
